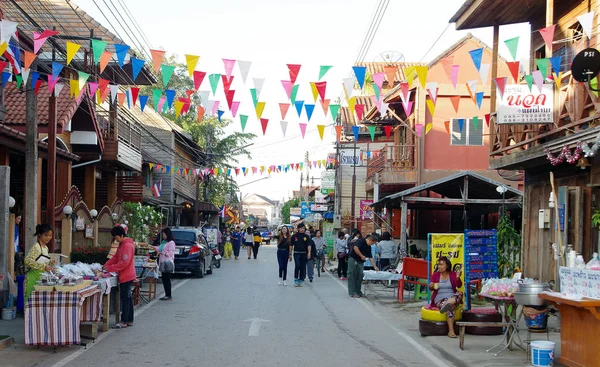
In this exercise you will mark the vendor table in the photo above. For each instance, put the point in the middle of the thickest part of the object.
(579, 329)
(510, 311)
(108, 286)
(149, 269)
(371, 275)
(53, 318)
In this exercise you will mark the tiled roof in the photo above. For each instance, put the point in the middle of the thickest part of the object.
(348, 118)
(14, 100)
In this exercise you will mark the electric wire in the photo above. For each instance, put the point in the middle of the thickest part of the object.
(135, 23)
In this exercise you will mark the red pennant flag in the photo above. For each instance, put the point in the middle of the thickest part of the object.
(321, 87)
(338, 132)
(501, 83)
(487, 119)
(3, 65)
(201, 111)
(229, 93)
(134, 94)
(513, 66)
(447, 125)
(237, 171)
(189, 93)
(284, 107)
(226, 82)
(198, 78)
(294, 70)
(38, 84)
(264, 123)
(388, 131)
(455, 102)
(359, 109)
(103, 84)
(325, 105)
(548, 36)
(186, 105)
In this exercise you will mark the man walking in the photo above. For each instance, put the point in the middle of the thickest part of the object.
(301, 246)
(360, 251)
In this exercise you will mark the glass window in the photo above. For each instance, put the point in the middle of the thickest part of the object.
(469, 135)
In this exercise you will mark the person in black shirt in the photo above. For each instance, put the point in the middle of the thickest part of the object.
(301, 246)
(361, 250)
(283, 253)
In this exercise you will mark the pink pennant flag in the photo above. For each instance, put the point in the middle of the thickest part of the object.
(404, 89)
(234, 108)
(501, 83)
(548, 36)
(93, 87)
(161, 103)
(215, 107)
(287, 85)
(377, 102)
(378, 79)
(454, 75)
(407, 107)
(198, 78)
(284, 107)
(40, 38)
(321, 87)
(52, 82)
(419, 129)
(302, 129)
(538, 78)
(359, 109)
(229, 64)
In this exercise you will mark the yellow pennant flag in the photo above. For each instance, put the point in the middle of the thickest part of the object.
(557, 80)
(431, 107)
(3, 47)
(191, 61)
(428, 127)
(422, 74)
(72, 49)
(409, 73)
(262, 169)
(150, 165)
(351, 104)
(315, 91)
(321, 129)
(178, 107)
(74, 88)
(260, 107)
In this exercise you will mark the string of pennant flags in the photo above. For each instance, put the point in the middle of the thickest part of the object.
(167, 100)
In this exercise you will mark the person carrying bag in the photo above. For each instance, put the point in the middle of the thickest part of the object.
(166, 262)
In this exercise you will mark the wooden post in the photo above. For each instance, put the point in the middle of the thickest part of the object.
(64, 180)
(112, 188)
(51, 169)
(32, 190)
(38, 210)
(549, 22)
(66, 241)
(493, 131)
(403, 222)
(89, 192)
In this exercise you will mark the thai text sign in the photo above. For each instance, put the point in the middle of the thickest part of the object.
(450, 245)
(366, 209)
(580, 283)
(520, 105)
(327, 182)
(350, 157)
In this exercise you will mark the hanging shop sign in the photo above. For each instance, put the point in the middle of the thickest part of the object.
(327, 182)
(366, 209)
(523, 104)
(350, 157)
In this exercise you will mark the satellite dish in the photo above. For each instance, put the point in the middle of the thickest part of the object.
(390, 57)
(586, 65)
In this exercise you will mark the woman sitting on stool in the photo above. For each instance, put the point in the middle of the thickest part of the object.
(444, 284)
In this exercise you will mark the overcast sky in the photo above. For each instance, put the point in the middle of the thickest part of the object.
(273, 33)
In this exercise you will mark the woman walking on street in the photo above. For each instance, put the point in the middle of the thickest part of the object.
(249, 241)
(237, 242)
(227, 238)
(283, 253)
(341, 249)
(301, 246)
(361, 250)
(257, 242)
(317, 246)
(166, 262)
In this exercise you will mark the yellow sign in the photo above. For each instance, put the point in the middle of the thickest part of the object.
(451, 246)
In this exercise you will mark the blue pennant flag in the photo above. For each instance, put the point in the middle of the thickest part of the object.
(461, 123)
(34, 78)
(476, 56)
(56, 69)
(360, 72)
(299, 105)
(136, 66)
(555, 62)
(121, 51)
(128, 96)
(16, 52)
(479, 99)
(5, 77)
(309, 110)
(355, 131)
(143, 101)
(220, 114)
(170, 94)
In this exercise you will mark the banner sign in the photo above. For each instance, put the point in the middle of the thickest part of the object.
(450, 245)
(579, 283)
(366, 209)
(481, 257)
(521, 104)
(305, 208)
(350, 157)
(327, 182)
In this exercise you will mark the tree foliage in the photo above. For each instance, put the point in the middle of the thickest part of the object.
(285, 209)
(509, 247)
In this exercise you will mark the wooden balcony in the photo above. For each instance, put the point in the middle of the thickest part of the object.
(123, 140)
(395, 164)
(518, 146)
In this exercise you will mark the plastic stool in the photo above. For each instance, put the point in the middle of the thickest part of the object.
(419, 293)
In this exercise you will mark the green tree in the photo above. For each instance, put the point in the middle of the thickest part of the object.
(210, 134)
(509, 247)
(285, 209)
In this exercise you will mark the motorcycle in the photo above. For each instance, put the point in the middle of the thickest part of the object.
(216, 259)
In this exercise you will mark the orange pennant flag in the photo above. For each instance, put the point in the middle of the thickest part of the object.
(121, 97)
(104, 60)
(28, 59)
(447, 125)
(157, 59)
(325, 105)
(455, 102)
(201, 111)
(338, 132)
(390, 75)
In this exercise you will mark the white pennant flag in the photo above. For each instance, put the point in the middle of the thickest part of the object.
(258, 84)
(284, 125)
(7, 29)
(58, 88)
(114, 89)
(383, 109)
(244, 69)
(25, 75)
(348, 86)
(208, 106)
(432, 89)
(407, 99)
(472, 86)
(586, 20)
(204, 96)
(484, 71)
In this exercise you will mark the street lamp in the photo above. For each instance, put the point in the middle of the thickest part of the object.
(11, 202)
(67, 210)
(94, 214)
(502, 190)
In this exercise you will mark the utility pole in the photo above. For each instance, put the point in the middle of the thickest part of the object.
(352, 205)
(51, 169)
(306, 160)
(31, 163)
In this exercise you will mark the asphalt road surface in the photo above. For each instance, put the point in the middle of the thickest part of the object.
(239, 316)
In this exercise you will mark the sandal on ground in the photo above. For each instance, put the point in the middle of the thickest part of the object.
(129, 325)
(451, 335)
(120, 326)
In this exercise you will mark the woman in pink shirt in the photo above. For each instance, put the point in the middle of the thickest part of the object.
(166, 262)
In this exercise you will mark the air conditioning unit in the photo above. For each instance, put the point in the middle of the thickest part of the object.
(337, 221)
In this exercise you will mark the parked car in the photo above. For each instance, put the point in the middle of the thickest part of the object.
(265, 234)
(192, 252)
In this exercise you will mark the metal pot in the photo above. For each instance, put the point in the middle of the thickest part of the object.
(534, 287)
(529, 299)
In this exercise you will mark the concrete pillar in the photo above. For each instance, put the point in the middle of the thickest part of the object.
(95, 239)
(11, 245)
(4, 210)
(403, 224)
(66, 241)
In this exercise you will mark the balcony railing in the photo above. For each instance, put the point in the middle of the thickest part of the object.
(127, 132)
(576, 105)
(392, 158)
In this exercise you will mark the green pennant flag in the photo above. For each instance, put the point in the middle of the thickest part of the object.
(512, 45)
(594, 85)
(19, 80)
(98, 48)
(294, 93)
(475, 122)
(156, 93)
(214, 82)
(334, 109)
(323, 70)
(167, 72)
(542, 65)
(372, 132)
(376, 90)
(254, 96)
(529, 80)
(243, 120)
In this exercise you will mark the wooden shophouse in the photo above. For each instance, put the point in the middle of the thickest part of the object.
(575, 118)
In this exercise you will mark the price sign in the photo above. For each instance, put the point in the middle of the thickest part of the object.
(481, 257)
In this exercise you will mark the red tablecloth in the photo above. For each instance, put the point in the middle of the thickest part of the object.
(53, 318)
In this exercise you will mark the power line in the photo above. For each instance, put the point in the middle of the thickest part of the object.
(434, 43)
(135, 23)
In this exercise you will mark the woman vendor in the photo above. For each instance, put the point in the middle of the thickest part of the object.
(444, 284)
(44, 234)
